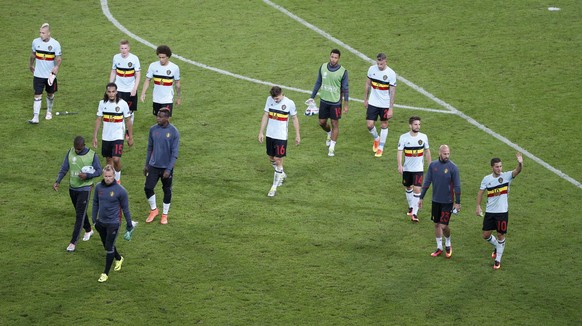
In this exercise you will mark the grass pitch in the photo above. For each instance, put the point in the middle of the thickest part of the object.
(334, 246)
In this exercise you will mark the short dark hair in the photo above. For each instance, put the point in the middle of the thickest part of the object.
(381, 56)
(79, 140)
(165, 50)
(413, 118)
(336, 51)
(495, 160)
(165, 110)
(275, 91)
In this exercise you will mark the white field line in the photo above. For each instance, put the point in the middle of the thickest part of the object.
(435, 99)
(450, 108)
(116, 23)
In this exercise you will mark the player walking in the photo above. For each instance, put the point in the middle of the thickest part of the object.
(166, 76)
(277, 110)
(414, 146)
(161, 156)
(332, 79)
(379, 100)
(126, 73)
(112, 113)
(45, 62)
(496, 213)
(109, 200)
(446, 181)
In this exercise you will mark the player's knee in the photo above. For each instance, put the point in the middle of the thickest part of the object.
(148, 192)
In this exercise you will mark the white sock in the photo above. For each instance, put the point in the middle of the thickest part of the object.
(328, 133)
(277, 177)
(49, 103)
(439, 241)
(332, 145)
(492, 240)
(500, 248)
(448, 241)
(409, 197)
(166, 208)
(415, 199)
(36, 106)
(373, 132)
(152, 202)
(274, 165)
(118, 175)
(383, 136)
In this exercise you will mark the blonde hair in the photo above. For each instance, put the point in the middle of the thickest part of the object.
(108, 168)
(46, 25)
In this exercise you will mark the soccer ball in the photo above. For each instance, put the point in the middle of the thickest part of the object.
(312, 109)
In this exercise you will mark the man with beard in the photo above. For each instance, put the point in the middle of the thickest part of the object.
(446, 181)
(114, 113)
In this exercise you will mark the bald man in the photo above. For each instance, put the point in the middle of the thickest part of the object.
(446, 197)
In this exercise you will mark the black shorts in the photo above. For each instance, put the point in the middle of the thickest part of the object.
(41, 84)
(441, 213)
(412, 179)
(496, 221)
(112, 148)
(158, 106)
(373, 112)
(276, 147)
(131, 100)
(155, 174)
(330, 111)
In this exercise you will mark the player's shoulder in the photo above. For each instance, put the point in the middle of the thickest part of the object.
(289, 101)
(54, 42)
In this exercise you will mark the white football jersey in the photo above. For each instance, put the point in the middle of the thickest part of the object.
(46, 53)
(114, 115)
(413, 148)
(497, 189)
(163, 78)
(279, 113)
(380, 82)
(125, 69)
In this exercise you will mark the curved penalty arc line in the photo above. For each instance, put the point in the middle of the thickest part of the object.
(116, 23)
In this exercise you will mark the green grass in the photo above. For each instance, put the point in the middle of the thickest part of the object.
(333, 247)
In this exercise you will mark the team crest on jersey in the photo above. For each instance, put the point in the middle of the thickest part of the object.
(500, 180)
(385, 77)
(111, 193)
(324, 74)
(50, 47)
(130, 64)
(167, 135)
(117, 109)
(446, 171)
(283, 107)
(420, 142)
(74, 160)
(168, 72)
